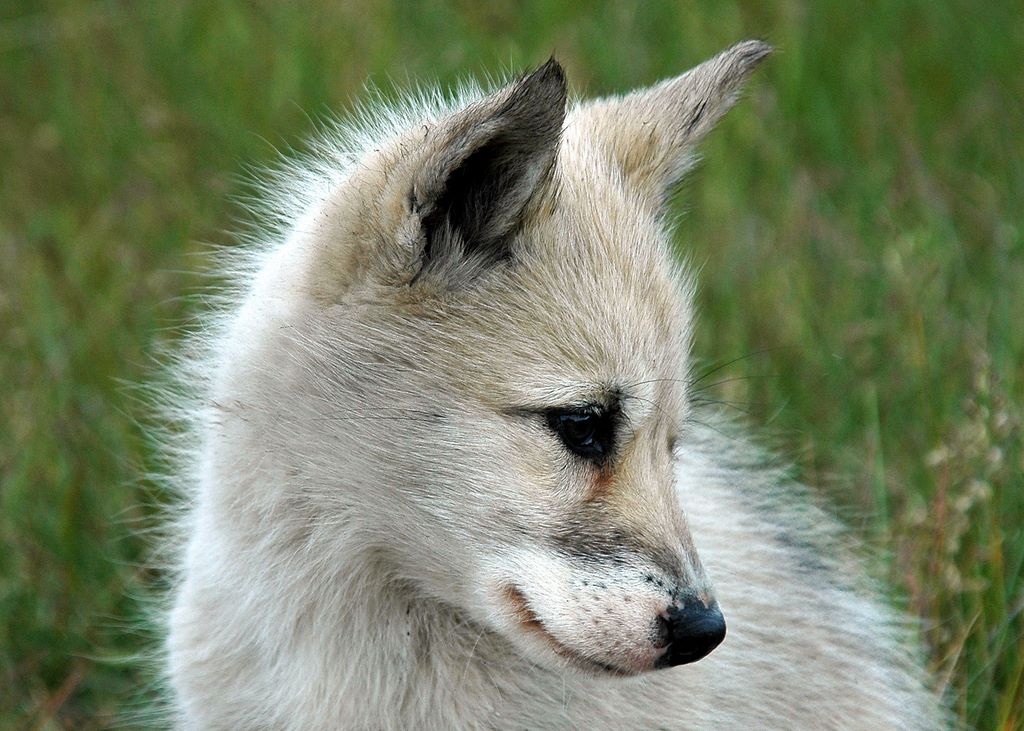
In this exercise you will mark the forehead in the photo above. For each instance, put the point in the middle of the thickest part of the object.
(594, 305)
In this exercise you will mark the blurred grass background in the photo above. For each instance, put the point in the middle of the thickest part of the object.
(858, 219)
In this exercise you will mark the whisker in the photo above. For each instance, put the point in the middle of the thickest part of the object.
(730, 437)
(720, 402)
(722, 382)
(648, 401)
(469, 659)
(726, 364)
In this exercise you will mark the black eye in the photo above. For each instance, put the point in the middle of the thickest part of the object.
(587, 433)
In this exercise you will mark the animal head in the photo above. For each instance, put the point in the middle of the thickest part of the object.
(478, 354)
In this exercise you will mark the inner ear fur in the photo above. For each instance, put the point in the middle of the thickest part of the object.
(488, 162)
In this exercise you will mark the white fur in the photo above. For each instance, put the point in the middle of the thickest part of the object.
(373, 501)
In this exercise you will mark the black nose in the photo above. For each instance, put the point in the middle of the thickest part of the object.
(692, 630)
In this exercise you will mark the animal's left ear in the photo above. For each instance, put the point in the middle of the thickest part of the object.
(486, 163)
(651, 134)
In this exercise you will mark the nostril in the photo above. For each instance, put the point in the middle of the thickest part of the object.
(691, 631)
(663, 632)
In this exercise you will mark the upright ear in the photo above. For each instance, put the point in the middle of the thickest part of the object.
(651, 133)
(486, 163)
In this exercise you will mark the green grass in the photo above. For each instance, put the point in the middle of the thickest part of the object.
(858, 218)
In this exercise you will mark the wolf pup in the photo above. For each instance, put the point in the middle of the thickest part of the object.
(447, 471)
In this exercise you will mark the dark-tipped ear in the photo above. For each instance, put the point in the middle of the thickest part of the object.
(487, 162)
(652, 134)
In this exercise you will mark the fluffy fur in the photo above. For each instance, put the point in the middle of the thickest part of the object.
(385, 531)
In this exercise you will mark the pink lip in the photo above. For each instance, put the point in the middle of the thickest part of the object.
(530, 622)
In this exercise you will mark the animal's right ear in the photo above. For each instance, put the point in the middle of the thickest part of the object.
(485, 163)
(651, 134)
